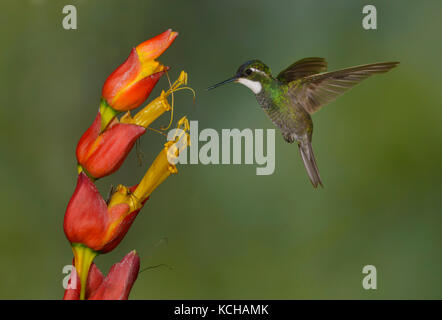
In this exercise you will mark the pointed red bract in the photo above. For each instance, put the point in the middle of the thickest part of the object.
(124, 74)
(90, 222)
(103, 154)
(132, 82)
(153, 48)
(86, 218)
(120, 279)
(134, 94)
(115, 286)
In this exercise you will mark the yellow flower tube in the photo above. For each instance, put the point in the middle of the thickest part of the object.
(157, 107)
(162, 167)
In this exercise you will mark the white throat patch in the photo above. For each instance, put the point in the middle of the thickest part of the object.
(255, 86)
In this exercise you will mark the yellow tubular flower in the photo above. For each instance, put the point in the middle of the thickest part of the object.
(162, 167)
(157, 107)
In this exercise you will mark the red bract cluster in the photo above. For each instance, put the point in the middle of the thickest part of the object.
(96, 226)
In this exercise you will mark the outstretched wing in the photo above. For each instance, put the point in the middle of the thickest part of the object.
(302, 68)
(314, 91)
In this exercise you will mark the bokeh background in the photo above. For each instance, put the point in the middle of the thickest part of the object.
(223, 231)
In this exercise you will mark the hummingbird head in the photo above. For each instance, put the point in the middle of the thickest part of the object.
(251, 74)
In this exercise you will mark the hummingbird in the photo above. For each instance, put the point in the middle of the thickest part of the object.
(297, 92)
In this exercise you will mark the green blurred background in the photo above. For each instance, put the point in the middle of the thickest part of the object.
(225, 232)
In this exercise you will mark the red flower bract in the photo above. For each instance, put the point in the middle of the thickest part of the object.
(101, 154)
(154, 47)
(89, 221)
(131, 83)
(124, 89)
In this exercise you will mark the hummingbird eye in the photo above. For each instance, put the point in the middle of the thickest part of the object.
(248, 72)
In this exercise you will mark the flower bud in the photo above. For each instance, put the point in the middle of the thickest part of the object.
(131, 83)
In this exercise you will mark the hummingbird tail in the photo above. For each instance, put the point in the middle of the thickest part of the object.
(306, 150)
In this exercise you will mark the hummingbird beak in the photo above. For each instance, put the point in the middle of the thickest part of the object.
(233, 79)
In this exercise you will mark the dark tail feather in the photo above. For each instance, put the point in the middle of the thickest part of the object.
(306, 150)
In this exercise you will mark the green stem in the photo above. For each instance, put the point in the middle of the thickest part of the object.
(83, 260)
(80, 169)
(107, 114)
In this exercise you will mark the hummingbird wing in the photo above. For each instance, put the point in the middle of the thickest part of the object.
(302, 68)
(314, 91)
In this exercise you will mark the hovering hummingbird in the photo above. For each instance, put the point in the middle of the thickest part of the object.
(296, 93)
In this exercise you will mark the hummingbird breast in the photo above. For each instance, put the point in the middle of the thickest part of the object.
(294, 122)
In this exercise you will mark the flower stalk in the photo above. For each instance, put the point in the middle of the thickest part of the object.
(83, 259)
(96, 226)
